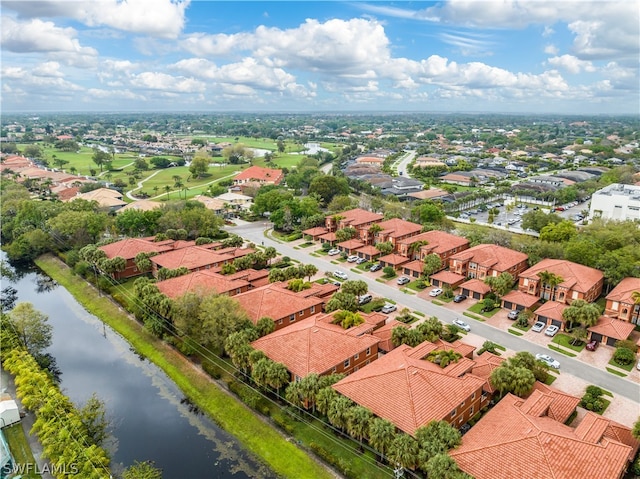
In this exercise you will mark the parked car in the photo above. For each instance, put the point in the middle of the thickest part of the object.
(375, 267)
(352, 259)
(548, 360)
(513, 314)
(592, 345)
(458, 298)
(364, 299)
(360, 260)
(336, 283)
(389, 308)
(435, 292)
(333, 252)
(551, 330)
(404, 280)
(340, 275)
(539, 326)
(461, 324)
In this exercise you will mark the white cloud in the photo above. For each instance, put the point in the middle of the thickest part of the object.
(94, 93)
(548, 31)
(48, 69)
(160, 18)
(166, 83)
(551, 50)
(38, 36)
(572, 64)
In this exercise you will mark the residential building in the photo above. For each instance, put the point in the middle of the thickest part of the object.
(356, 218)
(285, 307)
(392, 231)
(432, 242)
(317, 345)
(259, 175)
(550, 313)
(616, 202)
(202, 283)
(488, 260)
(370, 160)
(562, 281)
(236, 201)
(610, 330)
(621, 303)
(197, 258)
(422, 391)
(520, 438)
(106, 198)
(129, 248)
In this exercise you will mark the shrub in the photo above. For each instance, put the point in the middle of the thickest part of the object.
(389, 272)
(627, 343)
(293, 236)
(624, 356)
(326, 246)
(591, 400)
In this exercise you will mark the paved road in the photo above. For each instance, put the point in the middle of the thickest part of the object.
(401, 165)
(254, 232)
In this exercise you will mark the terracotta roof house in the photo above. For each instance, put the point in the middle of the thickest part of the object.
(213, 204)
(105, 197)
(620, 302)
(141, 205)
(357, 218)
(422, 391)
(550, 313)
(458, 179)
(578, 281)
(484, 366)
(427, 161)
(315, 232)
(393, 231)
(316, 345)
(280, 304)
(258, 174)
(370, 160)
(257, 277)
(430, 194)
(561, 406)
(447, 278)
(328, 238)
(368, 252)
(475, 288)
(394, 260)
(517, 300)
(437, 242)
(488, 260)
(413, 268)
(518, 438)
(610, 330)
(196, 258)
(202, 283)
(129, 248)
(349, 246)
(384, 334)
(236, 201)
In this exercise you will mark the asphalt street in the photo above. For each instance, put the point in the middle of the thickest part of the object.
(255, 232)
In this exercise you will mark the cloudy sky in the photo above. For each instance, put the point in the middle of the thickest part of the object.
(457, 55)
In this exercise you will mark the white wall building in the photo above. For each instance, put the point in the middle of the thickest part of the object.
(616, 202)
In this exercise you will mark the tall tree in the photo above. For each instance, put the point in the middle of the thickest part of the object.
(548, 284)
(432, 264)
(93, 418)
(381, 435)
(31, 327)
(581, 312)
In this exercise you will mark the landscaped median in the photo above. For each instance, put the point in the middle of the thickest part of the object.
(280, 455)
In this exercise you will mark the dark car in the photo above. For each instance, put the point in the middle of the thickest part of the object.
(375, 267)
(458, 298)
(592, 345)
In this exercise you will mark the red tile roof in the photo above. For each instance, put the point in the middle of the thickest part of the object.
(612, 328)
(357, 216)
(448, 277)
(313, 346)
(368, 249)
(350, 244)
(130, 247)
(562, 405)
(318, 230)
(484, 366)
(421, 390)
(274, 301)
(415, 265)
(384, 334)
(576, 276)
(397, 228)
(200, 282)
(622, 292)
(258, 173)
(329, 236)
(439, 241)
(543, 447)
(552, 309)
(394, 259)
(520, 298)
(491, 256)
(476, 285)
(193, 257)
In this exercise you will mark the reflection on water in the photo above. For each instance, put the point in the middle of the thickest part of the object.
(151, 419)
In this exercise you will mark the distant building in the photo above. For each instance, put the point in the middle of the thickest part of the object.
(616, 202)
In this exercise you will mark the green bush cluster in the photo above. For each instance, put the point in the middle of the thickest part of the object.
(592, 399)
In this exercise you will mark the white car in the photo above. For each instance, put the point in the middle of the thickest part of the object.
(352, 259)
(551, 330)
(389, 308)
(333, 252)
(461, 324)
(435, 292)
(404, 280)
(548, 360)
(340, 275)
(539, 326)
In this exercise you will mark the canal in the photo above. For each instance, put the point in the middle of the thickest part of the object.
(150, 417)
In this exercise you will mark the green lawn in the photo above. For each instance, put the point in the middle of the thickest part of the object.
(477, 308)
(20, 449)
(561, 351)
(414, 286)
(626, 367)
(564, 340)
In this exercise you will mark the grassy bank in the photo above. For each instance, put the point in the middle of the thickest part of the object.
(257, 436)
(20, 450)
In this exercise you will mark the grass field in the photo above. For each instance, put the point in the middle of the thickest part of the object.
(20, 449)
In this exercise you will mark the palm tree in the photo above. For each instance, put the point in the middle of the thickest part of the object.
(358, 420)
(635, 297)
(167, 188)
(277, 376)
(404, 451)
(338, 411)
(549, 280)
(415, 247)
(324, 399)
(381, 435)
(581, 312)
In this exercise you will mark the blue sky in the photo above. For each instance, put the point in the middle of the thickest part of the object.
(574, 57)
